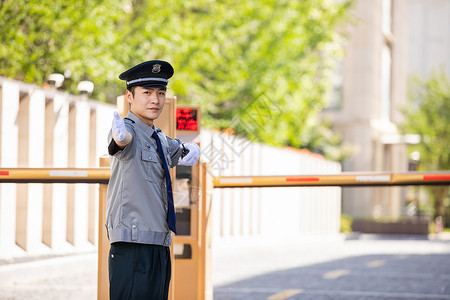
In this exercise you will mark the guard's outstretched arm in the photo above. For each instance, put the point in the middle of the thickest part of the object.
(119, 133)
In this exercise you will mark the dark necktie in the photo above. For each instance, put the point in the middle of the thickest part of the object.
(171, 212)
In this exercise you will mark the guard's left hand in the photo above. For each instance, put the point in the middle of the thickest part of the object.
(191, 158)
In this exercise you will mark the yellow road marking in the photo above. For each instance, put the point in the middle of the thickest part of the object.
(375, 263)
(335, 274)
(285, 294)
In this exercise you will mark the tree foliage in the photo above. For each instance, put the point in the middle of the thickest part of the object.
(260, 67)
(43, 37)
(428, 114)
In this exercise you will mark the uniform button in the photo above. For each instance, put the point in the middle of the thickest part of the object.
(150, 158)
(112, 255)
(134, 226)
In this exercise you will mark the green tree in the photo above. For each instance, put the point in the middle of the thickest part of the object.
(428, 114)
(262, 68)
(259, 67)
(40, 37)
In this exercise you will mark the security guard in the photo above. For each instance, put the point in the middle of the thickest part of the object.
(140, 212)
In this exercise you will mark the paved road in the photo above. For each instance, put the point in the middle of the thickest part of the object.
(363, 267)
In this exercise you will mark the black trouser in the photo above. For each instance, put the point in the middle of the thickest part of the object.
(139, 271)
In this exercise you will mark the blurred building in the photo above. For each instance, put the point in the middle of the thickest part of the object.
(429, 36)
(390, 40)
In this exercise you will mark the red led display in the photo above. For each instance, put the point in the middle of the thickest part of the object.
(187, 119)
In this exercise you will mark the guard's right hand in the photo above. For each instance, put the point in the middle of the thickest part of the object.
(192, 155)
(118, 128)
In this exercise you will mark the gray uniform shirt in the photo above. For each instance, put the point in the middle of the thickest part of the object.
(136, 207)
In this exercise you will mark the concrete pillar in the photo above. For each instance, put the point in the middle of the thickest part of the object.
(23, 118)
(36, 160)
(77, 200)
(70, 214)
(31, 154)
(9, 156)
(60, 146)
(47, 210)
(55, 155)
(82, 161)
(92, 188)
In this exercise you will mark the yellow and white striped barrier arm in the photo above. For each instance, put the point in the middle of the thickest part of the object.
(101, 175)
(52, 175)
(341, 179)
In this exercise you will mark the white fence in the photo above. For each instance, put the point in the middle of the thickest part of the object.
(46, 128)
(269, 212)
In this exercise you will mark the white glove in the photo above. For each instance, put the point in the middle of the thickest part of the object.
(118, 128)
(191, 158)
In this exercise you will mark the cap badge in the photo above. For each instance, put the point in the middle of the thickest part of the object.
(156, 68)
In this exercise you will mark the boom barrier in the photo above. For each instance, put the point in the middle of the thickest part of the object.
(55, 175)
(101, 175)
(342, 179)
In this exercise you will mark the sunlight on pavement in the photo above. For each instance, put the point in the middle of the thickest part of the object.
(375, 263)
(285, 294)
(335, 274)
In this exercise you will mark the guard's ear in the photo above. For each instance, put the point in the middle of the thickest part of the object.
(129, 96)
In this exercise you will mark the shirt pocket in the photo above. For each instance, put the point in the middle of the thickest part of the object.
(151, 165)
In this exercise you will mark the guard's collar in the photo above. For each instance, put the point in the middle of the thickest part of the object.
(141, 124)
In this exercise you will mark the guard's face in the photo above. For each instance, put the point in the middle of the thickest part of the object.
(147, 103)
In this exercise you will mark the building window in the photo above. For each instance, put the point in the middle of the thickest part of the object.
(335, 98)
(386, 21)
(386, 63)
